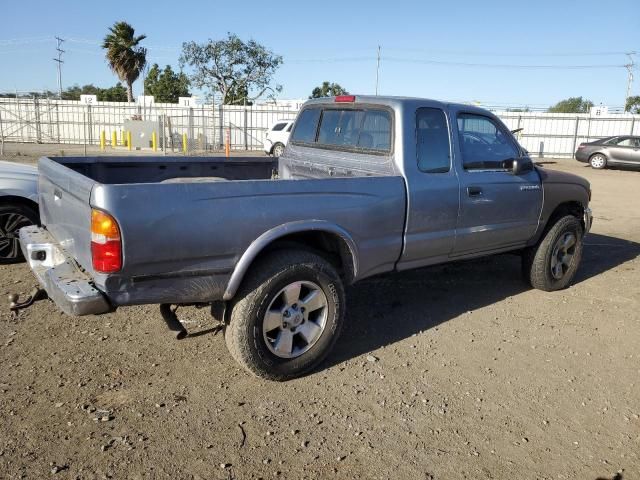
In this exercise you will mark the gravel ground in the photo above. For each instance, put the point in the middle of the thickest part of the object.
(456, 371)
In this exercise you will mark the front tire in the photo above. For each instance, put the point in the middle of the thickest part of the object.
(598, 161)
(287, 315)
(12, 218)
(553, 263)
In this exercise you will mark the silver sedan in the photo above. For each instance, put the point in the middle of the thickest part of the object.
(614, 151)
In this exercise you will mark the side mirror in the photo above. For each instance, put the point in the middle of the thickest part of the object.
(521, 165)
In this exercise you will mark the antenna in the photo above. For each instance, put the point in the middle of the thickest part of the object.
(629, 66)
(59, 62)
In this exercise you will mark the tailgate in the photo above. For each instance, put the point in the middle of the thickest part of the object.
(65, 210)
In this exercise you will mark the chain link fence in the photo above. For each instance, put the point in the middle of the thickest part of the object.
(203, 128)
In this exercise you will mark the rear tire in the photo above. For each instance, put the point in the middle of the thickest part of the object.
(598, 161)
(12, 218)
(553, 263)
(281, 348)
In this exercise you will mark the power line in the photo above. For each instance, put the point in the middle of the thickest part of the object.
(59, 62)
(507, 54)
(498, 65)
(428, 61)
(24, 41)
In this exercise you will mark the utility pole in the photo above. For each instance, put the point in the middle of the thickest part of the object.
(629, 67)
(377, 70)
(59, 62)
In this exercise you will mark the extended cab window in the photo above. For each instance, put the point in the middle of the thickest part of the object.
(306, 126)
(278, 126)
(432, 137)
(483, 144)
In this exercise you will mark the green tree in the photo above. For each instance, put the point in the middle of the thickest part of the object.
(114, 94)
(232, 68)
(166, 85)
(238, 95)
(74, 92)
(124, 54)
(632, 104)
(328, 90)
(572, 105)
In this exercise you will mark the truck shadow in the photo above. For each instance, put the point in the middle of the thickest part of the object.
(386, 309)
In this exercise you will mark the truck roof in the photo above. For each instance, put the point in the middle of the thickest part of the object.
(392, 101)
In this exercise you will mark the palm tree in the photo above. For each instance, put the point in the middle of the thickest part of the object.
(126, 58)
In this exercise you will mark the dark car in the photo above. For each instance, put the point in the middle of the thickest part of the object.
(18, 207)
(621, 150)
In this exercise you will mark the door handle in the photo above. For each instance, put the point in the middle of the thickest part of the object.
(474, 191)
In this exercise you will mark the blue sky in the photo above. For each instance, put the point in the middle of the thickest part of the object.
(337, 41)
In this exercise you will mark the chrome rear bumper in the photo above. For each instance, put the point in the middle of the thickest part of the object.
(66, 284)
(588, 220)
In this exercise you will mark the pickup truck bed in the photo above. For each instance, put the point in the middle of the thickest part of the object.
(185, 225)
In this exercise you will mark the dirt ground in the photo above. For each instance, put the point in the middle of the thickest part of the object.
(456, 371)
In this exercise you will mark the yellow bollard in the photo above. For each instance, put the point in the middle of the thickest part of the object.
(184, 143)
(123, 138)
(114, 139)
(129, 139)
(154, 142)
(103, 140)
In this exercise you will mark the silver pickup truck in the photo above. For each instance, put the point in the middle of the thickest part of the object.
(366, 185)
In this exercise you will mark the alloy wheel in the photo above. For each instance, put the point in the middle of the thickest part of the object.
(295, 319)
(10, 223)
(562, 255)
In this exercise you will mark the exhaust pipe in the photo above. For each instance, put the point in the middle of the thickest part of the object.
(171, 319)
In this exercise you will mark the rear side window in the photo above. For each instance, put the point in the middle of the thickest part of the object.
(432, 137)
(278, 126)
(306, 126)
(625, 142)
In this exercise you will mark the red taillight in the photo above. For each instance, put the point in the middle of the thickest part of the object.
(106, 245)
(106, 256)
(582, 145)
(345, 99)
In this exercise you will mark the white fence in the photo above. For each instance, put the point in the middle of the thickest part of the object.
(206, 126)
(71, 122)
(558, 134)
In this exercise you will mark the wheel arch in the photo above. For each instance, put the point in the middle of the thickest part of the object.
(19, 200)
(603, 151)
(325, 238)
(567, 207)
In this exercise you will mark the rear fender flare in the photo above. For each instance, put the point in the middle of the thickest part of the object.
(267, 238)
